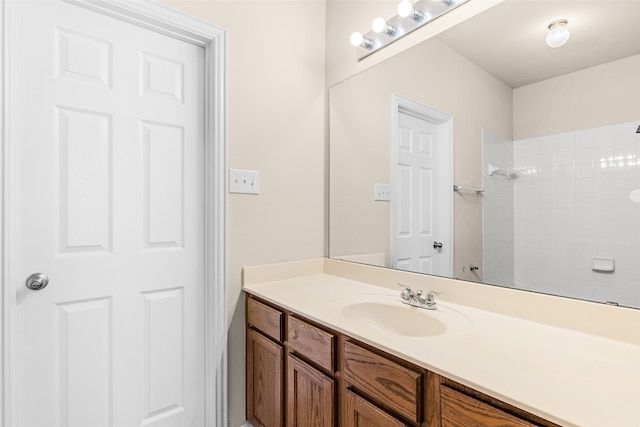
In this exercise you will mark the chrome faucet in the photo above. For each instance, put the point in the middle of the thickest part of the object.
(415, 298)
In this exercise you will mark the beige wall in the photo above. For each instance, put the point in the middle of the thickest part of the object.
(598, 96)
(276, 124)
(360, 150)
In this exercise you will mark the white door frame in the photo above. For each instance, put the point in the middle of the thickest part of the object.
(445, 199)
(212, 39)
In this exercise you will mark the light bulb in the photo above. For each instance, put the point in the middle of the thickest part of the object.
(379, 25)
(558, 33)
(358, 40)
(405, 8)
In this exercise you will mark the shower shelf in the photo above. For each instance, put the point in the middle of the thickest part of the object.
(509, 173)
(476, 190)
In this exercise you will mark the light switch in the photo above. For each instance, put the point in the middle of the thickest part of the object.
(382, 192)
(244, 181)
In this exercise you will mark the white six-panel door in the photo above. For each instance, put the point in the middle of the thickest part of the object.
(416, 192)
(109, 204)
(422, 189)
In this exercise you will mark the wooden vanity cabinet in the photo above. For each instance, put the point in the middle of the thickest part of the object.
(463, 406)
(310, 396)
(460, 410)
(264, 371)
(359, 412)
(302, 374)
(311, 383)
(387, 382)
(291, 369)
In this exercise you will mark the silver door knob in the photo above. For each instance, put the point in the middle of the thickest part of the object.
(437, 245)
(37, 281)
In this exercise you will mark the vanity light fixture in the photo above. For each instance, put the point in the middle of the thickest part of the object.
(410, 17)
(558, 33)
(379, 25)
(638, 131)
(358, 40)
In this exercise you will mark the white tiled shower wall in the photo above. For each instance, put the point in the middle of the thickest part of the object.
(498, 215)
(570, 204)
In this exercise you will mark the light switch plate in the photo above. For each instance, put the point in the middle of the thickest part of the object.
(382, 192)
(244, 181)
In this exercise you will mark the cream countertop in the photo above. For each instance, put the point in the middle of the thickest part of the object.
(570, 376)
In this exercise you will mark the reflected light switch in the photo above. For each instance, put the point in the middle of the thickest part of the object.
(382, 192)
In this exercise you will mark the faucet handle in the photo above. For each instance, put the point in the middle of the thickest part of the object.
(430, 296)
(406, 293)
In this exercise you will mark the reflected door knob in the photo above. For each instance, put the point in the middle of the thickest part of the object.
(437, 245)
(37, 281)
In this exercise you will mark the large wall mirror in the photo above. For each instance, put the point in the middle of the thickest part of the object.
(541, 143)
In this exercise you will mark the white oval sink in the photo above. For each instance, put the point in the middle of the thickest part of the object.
(387, 314)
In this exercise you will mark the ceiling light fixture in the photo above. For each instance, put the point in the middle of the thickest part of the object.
(558, 33)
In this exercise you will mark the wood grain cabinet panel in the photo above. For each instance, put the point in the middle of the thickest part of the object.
(264, 381)
(460, 410)
(331, 379)
(311, 342)
(266, 319)
(310, 396)
(389, 384)
(361, 413)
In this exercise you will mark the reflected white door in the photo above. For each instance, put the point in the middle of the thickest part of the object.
(109, 204)
(420, 182)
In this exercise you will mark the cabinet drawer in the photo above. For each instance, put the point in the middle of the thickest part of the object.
(388, 383)
(460, 410)
(312, 343)
(266, 319)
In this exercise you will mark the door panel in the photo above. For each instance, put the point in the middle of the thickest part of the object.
(109, 189)
(85, 144)
(417, 188)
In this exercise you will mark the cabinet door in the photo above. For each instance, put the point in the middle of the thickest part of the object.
(361, 413)
(264, 381)
(310, 396)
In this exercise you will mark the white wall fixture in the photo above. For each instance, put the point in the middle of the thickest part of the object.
(603, 264)
(558, 33)
(410, 17)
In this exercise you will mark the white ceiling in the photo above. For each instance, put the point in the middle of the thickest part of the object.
(508, 40)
